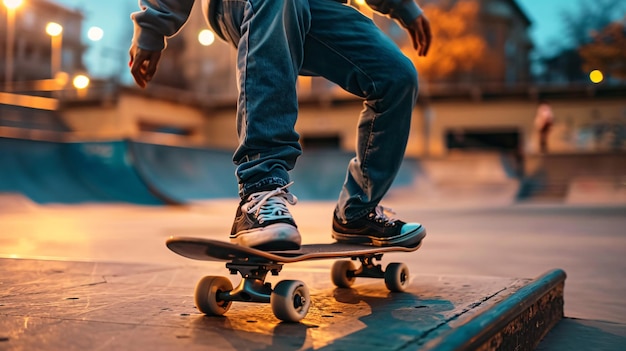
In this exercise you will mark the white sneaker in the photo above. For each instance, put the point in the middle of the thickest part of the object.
(263, 221)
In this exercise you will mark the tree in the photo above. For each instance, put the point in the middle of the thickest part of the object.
(589, 17)
(607, 51)
(457, 46)
(581, 47)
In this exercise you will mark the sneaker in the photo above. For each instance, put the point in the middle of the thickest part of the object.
(263, 222)
(378, 229)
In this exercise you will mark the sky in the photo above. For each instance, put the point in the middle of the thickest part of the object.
(545, 16)
(113, 16)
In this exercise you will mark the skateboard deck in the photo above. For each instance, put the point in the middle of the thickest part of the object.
(216, 250)
(290, 299)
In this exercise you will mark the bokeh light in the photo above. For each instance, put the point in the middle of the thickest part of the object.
(95, 33)
(61, 78)
(596, 76)
(12, 4)
(206, 37)
(54, 29)
(81, 81)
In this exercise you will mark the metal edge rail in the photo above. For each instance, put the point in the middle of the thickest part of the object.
(518, 322)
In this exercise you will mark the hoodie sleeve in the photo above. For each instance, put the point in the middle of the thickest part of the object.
(405, 11)
(157, 20)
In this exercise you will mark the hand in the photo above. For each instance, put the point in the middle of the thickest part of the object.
(143, 64)
(421, 35)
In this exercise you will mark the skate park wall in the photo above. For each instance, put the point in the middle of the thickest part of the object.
(583, 178)
(129, 171)
(58, 172)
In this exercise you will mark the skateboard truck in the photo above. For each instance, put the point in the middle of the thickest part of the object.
(369, 268)
(252, 287)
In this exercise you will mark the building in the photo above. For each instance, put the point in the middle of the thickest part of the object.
(505, 27)
(193, 101)
(34, 49)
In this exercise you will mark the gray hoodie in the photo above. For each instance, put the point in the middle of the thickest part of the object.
(159, 19)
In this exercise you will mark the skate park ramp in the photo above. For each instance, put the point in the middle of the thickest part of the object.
(576, 178)
(56, 172)
(183, 174)
(149, 174)
(113, 171)
(461, 179)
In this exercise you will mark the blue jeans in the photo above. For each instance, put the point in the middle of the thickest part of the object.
(279, 39)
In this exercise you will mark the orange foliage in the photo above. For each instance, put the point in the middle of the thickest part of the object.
(607, 52)
(457, 46)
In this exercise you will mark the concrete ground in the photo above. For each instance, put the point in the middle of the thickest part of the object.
(64, 305)
(471, 250)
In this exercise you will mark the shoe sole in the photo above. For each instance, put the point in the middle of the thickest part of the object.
(274, 237)
(410, 239)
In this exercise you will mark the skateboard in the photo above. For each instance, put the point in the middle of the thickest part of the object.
(289, 299)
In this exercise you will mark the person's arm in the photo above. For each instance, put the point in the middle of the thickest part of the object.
(411, 17)
(157, 20)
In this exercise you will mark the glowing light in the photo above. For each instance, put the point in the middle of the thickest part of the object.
(54, 29)
(12, 4)
(80, 81)
(206, 37)
(596, 76)
(95, 33)
(360, 2)
(61, 78)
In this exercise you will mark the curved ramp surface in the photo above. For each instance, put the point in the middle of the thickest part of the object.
(36, 169)
(108, 169)
(149, 174)
(182, 175)
(53, 172)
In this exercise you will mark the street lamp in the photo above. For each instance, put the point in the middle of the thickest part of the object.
(11, 6)
(55, 31)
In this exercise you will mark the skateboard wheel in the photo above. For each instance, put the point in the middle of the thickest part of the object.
(397, 277)
(341, 275)
(290, 300)
(206, 295)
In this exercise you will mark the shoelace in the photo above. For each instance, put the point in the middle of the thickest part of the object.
(382, 215)
(270, 205)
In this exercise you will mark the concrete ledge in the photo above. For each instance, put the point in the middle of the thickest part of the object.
(519, 322)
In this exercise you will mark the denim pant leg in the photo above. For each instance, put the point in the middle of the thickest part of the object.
(269, 36)
(348, 49)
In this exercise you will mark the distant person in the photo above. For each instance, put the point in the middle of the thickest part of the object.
(544, 119)
(277, 40)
